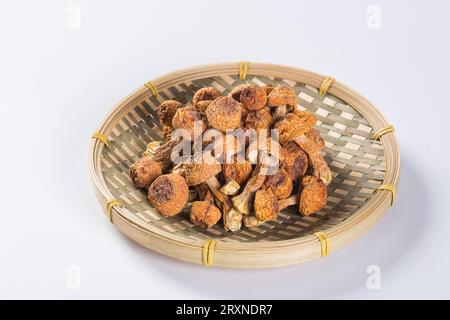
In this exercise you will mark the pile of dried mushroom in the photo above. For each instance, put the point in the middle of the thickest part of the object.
(218, 184)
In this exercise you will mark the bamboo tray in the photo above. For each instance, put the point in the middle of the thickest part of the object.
(361, 149)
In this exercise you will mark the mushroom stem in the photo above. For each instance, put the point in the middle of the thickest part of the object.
(242, 201)
(319, 165)
(162, 154)
(214, 186)
(232, 220)
(230, 188)
(292, 200)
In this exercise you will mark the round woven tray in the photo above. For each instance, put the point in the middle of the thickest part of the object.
(361, 149)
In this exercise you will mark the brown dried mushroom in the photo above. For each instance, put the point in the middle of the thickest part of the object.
(198, 169)
(294, 161)
(259, 120)
(318, 164)
(204, 214)
(251, 221)
(253, 98)
(279, 184)
(242, 201)
(224, 113)
(186, 118)
(266, 205)
(203, 97)
(294, 125)
(313, 196)
(144, 171)
(236, 92)
(168, 194)
(314, 136)
(166, 111)
(239, 171)
(162, 153)
(282, 98)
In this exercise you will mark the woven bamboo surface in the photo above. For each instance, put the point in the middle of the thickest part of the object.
(346, 121)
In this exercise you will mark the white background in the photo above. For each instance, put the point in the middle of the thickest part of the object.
(57, 84)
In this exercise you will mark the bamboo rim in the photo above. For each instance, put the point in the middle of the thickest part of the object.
(291, 250)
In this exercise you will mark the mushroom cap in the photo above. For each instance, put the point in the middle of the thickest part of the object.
(239, 171)
(144, 171)
(186, 117)
(204, 214)
(236, 92)
(294, 125)
(313, 196)
(167, 110)
(224, 113)
(205, 94)
(279, 184)
(266, 205)
(260, 119)
(282, 96)
(314, 136)
(200, 169)
(253, 98)
(169, 194)
(294, 161)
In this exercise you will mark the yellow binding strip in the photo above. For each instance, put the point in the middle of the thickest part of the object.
(208, 252)
(377, 135)
(243, 69)
(152, 87)
(325, 86)
(324, 243)
(109, 205)
(392, 189)
(101, 137)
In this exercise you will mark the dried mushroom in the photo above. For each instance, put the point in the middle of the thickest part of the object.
(144, 171)
(236, 92)
(266, 205)
(313, 196)
(224, 114)
(279, 184)
(294, 161)
(294, 125)
(318, 164)
(204, 214)
(230, 188)
(198, 169)
(282, 98)
(242, 201)
(258, 192)
(190, 119)
(239, 171)
(162, 154)
(253, 98)
(203, 98)
(168, 194)
(314, 136)
(259, 120)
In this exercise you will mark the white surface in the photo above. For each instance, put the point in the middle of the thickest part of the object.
(56, 85)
